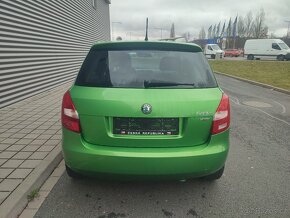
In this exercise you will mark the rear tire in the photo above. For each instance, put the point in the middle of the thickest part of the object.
(250, 57)
(280, 57)
(217, 175)
(212, 56)
(72, 173)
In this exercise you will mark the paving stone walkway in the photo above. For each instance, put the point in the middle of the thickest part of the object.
(29, 131)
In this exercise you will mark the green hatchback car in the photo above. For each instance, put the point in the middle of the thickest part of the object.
(145, 110)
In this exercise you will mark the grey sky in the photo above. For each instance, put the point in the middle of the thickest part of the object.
(191, 15)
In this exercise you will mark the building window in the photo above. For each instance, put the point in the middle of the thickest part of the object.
(94, 4)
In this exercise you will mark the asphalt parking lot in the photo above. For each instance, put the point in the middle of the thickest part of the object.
(255, 182)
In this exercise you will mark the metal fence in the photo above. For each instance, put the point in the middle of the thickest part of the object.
(43, 43)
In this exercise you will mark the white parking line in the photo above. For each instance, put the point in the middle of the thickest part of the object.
(237, 102)
(273, 116)
(283, 107)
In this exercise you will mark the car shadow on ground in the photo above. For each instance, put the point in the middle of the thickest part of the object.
(109, 198)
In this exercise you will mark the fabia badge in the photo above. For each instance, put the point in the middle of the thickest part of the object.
(146, 108)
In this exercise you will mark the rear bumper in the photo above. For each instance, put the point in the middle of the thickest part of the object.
(183, 162)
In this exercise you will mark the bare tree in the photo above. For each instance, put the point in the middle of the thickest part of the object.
(202, 34)
(273, 36)
(186, 36)
(241, 27)
(260, 30)
(248, 22)
(264, 32)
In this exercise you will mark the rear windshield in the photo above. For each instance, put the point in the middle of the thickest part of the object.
(144, 69)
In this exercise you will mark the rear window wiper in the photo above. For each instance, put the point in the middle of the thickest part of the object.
(148, 84)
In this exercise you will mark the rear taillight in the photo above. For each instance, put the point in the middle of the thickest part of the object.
(221, 120)
(69, 115)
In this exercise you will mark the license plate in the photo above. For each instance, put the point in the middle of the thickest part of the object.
(145, 126)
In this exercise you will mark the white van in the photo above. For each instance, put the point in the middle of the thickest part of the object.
(266, 49)
(213, 50)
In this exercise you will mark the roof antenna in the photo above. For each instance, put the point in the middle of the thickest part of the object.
(146, 36)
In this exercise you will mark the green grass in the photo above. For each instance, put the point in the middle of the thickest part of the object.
(275, 73)
(33, 194)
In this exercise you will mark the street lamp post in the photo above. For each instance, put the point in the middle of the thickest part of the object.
(114, 22)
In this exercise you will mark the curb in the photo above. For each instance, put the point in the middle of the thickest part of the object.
(17, 201)
(255, 83)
